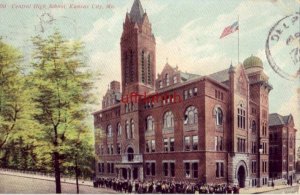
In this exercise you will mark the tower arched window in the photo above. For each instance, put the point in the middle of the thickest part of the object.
(167, 79)
(119, 129)
(149, 69)
(131, 76)
(191, 116)
(127, 127)
(143, 66)
(219, 116)
(131, 128)
(150, 125)
(109, 131)
(168, 120)
(127, 73)
(241, 117)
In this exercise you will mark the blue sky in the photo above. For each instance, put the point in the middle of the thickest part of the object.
(187, 33)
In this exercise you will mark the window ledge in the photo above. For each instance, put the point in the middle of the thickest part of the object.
(190, 127)
(168, 129)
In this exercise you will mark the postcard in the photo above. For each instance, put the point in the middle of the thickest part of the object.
(149, 96)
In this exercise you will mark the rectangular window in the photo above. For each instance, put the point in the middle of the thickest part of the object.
(195, 169)
(165, 168)
(253, 148)
(112, 149)
(119, 148)
(148, 167)
(216, 143)
(112, 167)
(152, 145)
(99, 167)
(241, 145)
(195, 142)
(148, 146)
(219, 169)
(220, 143)
(153, 169)
(187, 170)
(185, 94)
(108, 167)
(222, 169)
(166, 145)
(172, 169)
(195, 91)
(190, 93)
(187, 143)
(172, 144)
(253, 166)
(102, 168)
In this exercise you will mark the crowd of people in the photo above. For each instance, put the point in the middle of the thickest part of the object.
(164, 187)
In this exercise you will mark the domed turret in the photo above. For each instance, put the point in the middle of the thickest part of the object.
(253, 62)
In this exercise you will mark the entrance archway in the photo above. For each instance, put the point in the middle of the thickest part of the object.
(241, 176)
(130, 154)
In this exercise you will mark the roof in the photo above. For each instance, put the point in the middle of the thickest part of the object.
(220, 76)
(187, 76)
(277, 119)
(252, 62)
(137, 12)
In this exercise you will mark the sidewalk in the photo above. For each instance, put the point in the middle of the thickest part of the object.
(45, 177)
(265, 189)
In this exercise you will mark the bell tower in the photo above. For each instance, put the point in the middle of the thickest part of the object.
(138, 59)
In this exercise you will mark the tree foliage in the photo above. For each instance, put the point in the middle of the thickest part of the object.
(61, 86)
(11, 90)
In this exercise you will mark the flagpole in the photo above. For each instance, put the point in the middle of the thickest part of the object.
(238, 39)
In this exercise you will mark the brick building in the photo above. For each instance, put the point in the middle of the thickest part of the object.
(282, 134)
(183, 126)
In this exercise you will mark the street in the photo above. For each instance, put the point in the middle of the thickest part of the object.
(22, 185)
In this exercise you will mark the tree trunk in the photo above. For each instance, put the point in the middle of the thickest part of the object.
(57, 172)
(76, 174)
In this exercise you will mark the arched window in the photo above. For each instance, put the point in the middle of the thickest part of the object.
(219, 116)
(253, 125)
(109, 131)
(241, 117)
(143, 66)
(149, 122)
(126, 62)
(127, 127)
(131, 66)
(119, 129)
(191, 115)
(132, 128)
(149, 69)
(167, 79)
(168, 119)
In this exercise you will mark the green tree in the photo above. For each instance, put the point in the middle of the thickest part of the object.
(61, 87)
(11, 90)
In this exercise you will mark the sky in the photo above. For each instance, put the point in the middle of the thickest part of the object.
(187, 34)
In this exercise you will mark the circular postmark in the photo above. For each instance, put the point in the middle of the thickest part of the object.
(283, 46)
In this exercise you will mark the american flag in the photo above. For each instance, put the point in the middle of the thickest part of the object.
(230, 29)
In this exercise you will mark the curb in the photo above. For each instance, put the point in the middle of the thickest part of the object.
(45, 179)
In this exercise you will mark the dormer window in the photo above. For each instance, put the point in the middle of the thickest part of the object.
(175, 79)
(167, 79)
(160, 84)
